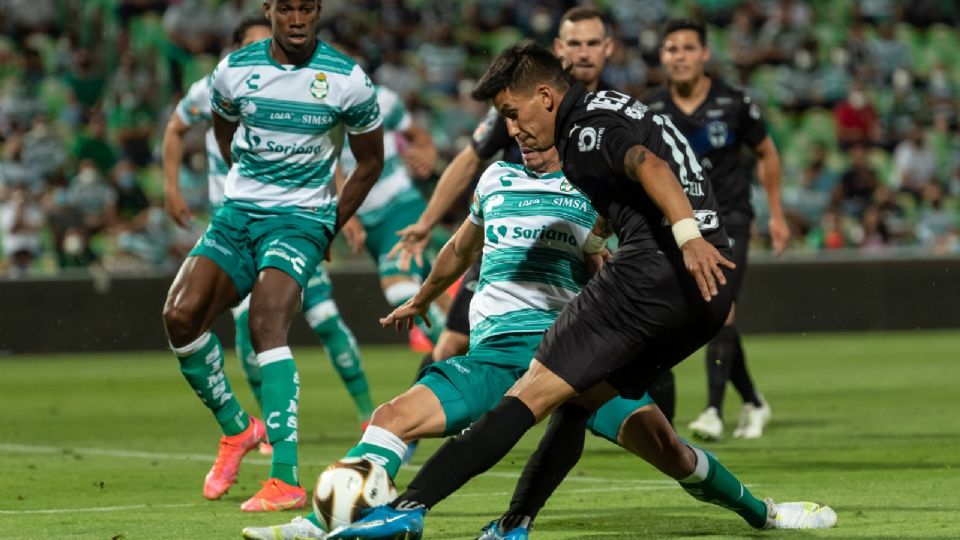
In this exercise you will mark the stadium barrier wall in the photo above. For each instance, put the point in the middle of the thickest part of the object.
(123, 313)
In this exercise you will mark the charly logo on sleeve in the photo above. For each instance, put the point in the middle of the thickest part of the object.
(319, 87)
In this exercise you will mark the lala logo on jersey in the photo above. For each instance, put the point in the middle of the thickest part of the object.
(319, 87)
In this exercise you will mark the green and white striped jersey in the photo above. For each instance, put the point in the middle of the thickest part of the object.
(292, 125)
(394, 184)
(194, 108)
(533, 261)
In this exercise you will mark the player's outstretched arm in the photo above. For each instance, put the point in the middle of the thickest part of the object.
(368, 149)
(173, 202)
(421, 156)
(454, 181)
(769, 173)
(702, 260)
(452, 261)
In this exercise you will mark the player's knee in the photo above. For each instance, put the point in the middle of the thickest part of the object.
(181, 321)
(391, 417)
(268, 327)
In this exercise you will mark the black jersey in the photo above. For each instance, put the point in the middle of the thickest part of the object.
(725, 121)
(491, 135)
(594, 132)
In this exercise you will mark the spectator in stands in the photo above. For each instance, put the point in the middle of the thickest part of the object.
(907, 109)
(856, 119)
(93, 145)
(21, 221)
(857, 184)
(873, 235)
(830, 233)
(130, 198)
(914, 164)
(94, 197)
(888, 54)
(443, 60)
(892, 213)
(818, 176)
(936, 225)
(42, 151)
(941, 94)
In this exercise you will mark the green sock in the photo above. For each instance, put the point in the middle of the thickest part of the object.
(712, 483)
(281, 392)
(382, 447)
(201, 362)
(248, 358)
(345, 356)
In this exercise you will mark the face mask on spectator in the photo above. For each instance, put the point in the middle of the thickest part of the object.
(126, 180)
(857, 99)
(73, 244)
(87, 177)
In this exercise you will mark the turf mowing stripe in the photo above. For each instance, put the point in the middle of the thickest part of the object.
(136, 454)
(96, 509)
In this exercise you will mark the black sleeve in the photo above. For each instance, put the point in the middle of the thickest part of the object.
(490, 136)
(617, 140)
(752, 128)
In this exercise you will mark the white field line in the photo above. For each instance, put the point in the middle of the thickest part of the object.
(561, 491)
(206, 458)
(94, 509)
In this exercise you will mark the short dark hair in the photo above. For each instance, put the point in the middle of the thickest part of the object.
(675, 25)
(584, 13)
(521, 66)
(246, 23)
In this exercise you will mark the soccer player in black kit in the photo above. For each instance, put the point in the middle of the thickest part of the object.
(718, 121)
(663, 295)
(583, 45)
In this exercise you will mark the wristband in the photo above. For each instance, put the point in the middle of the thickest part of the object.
(594, 244)
(685, 230)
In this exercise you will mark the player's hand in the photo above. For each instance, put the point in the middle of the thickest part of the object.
(595, 261)
(405, 316)
(420, 161)
(703, 261)
(413, 242)
(177, 209)
(355, 234)
(779, 234)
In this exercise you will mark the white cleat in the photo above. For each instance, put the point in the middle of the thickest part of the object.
(752, 420)
(799, 515)
(708, 425)
(298, 529)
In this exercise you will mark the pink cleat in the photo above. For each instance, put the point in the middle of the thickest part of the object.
(232, 449)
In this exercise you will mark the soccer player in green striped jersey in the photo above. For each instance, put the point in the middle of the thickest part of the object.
(282, 108)
(318, 306)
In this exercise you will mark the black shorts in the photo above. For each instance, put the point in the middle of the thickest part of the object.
(638, 317)
(458, 318)
(739, 244)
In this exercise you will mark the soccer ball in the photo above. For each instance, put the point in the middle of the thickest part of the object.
(348, 487)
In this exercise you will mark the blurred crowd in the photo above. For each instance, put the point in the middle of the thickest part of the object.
(860, 96)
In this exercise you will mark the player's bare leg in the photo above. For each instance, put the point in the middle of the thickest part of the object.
(200, 292)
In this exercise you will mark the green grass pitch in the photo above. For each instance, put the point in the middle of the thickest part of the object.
(116, 446)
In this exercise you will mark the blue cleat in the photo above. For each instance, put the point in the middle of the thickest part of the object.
(493, 532)
(383, 523)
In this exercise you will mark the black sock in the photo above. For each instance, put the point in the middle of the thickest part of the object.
(664, 394)
(468, 454)
(427, 360)
(739, 375)
(558, 452)
(721, 353)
